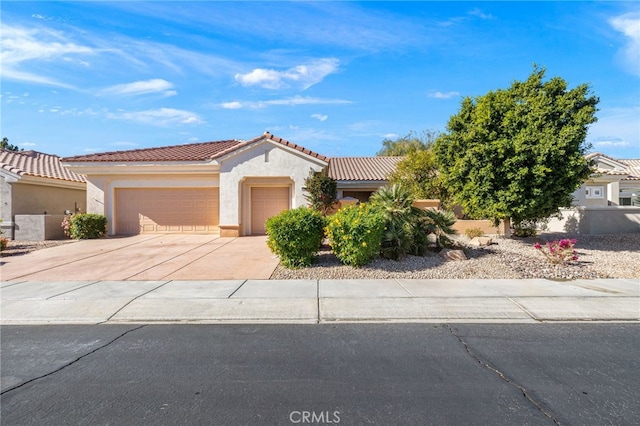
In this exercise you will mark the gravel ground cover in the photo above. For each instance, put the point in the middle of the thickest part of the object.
(600, 256)
(17, 248)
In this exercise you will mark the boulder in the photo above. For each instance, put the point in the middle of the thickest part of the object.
(449, 254)
(481, 241)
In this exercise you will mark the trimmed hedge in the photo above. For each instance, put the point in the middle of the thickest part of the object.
(85, 226)
(295, 236)
(355, 234)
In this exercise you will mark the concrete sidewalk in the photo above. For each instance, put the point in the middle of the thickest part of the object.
(323, 301)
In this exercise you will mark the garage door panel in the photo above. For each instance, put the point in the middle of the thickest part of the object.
(267, 202)
(167, 210)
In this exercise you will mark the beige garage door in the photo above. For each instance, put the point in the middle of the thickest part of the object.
(267, 202)
(163, 210)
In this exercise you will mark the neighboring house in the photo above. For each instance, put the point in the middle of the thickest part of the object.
(614, 183)
(359, 177)
(34, 183)
(230, 187)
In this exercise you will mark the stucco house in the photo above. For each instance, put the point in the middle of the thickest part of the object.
(614, 183)
(230, 187)
(34, 183)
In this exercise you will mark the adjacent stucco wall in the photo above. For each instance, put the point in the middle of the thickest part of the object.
(41, 199)
(5, 208)
(38, 227)
(597, 220)
(277, 164)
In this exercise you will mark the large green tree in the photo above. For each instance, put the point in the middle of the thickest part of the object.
(409, 143)
(517, 154)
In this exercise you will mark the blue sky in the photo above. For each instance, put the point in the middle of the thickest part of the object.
(335, 77)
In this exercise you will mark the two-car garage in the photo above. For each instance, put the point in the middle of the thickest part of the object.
(166, 210)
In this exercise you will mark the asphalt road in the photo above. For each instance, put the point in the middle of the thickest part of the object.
(351, 374)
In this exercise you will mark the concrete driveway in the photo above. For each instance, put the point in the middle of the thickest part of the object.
(146, 257)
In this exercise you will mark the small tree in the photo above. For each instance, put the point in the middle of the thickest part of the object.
(405, 144)
(418, 173)
(4, 144)
(518, 154)
(322, 191)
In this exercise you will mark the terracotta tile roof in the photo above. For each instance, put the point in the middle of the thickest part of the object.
(286, 143)
(362, 168)
(189, 152)
(628, 168)
(633, 166)
(34, 163)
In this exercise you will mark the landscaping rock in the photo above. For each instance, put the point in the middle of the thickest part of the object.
(449, 254)
(481, 242)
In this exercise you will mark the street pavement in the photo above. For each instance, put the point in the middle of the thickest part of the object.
(351, 374)
(318, 301)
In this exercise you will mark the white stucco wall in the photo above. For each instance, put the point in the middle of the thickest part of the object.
(280, 166)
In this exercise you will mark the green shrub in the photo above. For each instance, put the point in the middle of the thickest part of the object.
(85, 226)
(295, 236)
(525, 229)
(355, 233)
(473, 232)
(4, 242)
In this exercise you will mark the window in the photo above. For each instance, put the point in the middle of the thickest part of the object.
(625, 201)
(594, 192)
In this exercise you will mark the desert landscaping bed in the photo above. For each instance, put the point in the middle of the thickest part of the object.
(600, 256)
(17, 248)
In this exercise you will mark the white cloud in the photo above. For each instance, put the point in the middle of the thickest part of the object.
(159, 117)
(390, 136)
(321, 117)
(232, 105)
(480, 14)
(629, 25)
(156, 85)
(444, 95)
(28, 144)
(293, 101)
(20, 46)
(303, 76)
(610, 142)
(616, 128)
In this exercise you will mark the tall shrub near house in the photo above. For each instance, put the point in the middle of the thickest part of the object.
(355, 233)
(322, 191)
(85, 226)
(295, 236)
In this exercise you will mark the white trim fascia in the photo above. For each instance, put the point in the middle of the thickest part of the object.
(608, 161)
(10, 177)
(259, 142)
(143, 168)
(354, 183)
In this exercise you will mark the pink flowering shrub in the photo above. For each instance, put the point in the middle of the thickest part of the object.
(558, 251)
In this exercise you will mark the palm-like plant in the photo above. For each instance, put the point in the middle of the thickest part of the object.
(441, 224)
(402, 219)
